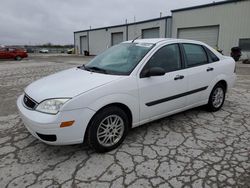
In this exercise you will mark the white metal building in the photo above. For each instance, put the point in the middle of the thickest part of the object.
(222, 25)
(97, 40)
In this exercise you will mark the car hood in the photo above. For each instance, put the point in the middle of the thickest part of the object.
(68, 83)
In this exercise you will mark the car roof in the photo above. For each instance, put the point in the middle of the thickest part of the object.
(163, 40)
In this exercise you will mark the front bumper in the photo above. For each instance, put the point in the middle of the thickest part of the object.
(48, 125)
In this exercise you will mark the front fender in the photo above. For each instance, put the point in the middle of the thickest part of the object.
(130, 101)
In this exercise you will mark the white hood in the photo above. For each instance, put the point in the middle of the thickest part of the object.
(68, 83)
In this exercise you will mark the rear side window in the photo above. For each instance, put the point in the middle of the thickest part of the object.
(168, 58)
(212, 56)
(195, 55)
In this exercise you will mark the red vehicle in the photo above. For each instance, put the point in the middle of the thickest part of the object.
(12, 53)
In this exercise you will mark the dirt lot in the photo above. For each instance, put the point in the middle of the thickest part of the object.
(191, 149)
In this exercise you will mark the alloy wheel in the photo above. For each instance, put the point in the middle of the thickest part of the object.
(218, 97)
(110, 130)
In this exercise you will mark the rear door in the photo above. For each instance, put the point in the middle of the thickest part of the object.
(4, 53)
(12, 53)
(200, 72)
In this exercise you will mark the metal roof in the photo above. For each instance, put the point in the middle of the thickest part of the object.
(121, 25)
(207, 5)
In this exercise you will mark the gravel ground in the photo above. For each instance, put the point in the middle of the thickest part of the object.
(191, 149)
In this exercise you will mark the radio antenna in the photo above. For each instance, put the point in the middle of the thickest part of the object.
(136, 38)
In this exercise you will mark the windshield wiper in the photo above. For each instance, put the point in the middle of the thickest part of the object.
(83, 67)
(92, 69)
(96, 69)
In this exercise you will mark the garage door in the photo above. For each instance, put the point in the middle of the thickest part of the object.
(116, 38)
(209, 35)
(83, 44)
(151, 33)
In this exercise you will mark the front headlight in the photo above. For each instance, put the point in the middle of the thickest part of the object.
(51, 106)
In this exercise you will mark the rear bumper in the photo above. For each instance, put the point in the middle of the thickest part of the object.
(46, 127)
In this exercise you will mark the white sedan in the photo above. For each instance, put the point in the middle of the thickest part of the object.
(44, 51)
(128, 85)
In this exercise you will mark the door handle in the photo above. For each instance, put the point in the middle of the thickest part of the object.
(178, 77)
(210, 69)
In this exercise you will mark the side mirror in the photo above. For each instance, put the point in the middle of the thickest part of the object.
(154, 71)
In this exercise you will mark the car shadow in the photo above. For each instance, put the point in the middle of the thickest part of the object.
(84, 149)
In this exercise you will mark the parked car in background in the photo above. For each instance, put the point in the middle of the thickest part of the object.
(128, 85)
(12, 53)
(44, 50)
(71, 51)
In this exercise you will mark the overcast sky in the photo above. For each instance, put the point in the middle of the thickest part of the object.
(43, 21)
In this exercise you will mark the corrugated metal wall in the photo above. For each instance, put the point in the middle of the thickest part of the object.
(136, 30)
(101, 39)
(209, 34)
(77, 41)
(233, 20)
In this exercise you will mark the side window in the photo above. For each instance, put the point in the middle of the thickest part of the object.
(244, 44)
(168, 58)
(195, 55)
(212, 56)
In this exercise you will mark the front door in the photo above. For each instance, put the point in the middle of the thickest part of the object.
(160, 95)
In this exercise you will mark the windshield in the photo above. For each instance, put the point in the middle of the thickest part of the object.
(120, 59)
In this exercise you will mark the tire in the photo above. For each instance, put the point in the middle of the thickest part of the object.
(110, 136)
(216, 98)
(18, 58)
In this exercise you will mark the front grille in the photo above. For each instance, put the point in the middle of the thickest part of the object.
(29, 103)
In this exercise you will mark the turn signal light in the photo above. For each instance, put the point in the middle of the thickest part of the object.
(66, 124)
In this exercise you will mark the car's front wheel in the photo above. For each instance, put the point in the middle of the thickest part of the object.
(107, 129)
(217, 97)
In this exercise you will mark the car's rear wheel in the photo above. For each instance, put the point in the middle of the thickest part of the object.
(107, 129)
(18, 58)
(217, 97)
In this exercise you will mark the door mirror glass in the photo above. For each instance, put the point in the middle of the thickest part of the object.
(153, 71)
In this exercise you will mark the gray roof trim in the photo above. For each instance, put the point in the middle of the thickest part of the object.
(207, 5)
(121, 25)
